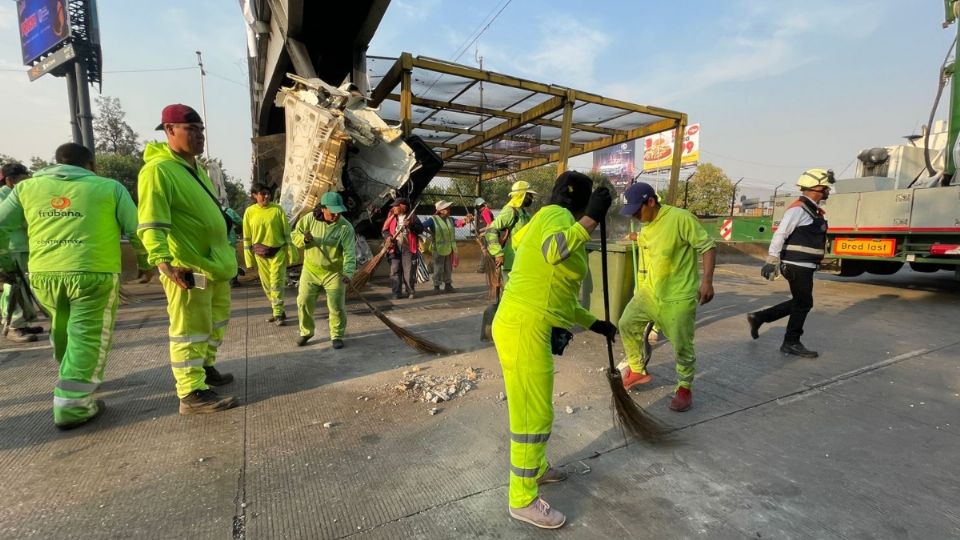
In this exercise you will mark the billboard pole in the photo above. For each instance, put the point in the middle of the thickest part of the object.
(203, 107)
(83, 98)
(72, 99)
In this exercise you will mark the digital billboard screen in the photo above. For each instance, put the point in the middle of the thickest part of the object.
(44, 24)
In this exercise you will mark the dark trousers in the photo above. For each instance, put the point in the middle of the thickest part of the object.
(403, 272)
(801, 288)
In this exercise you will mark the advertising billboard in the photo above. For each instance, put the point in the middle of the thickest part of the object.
(618, 163)
(658, 149)
(44, 24)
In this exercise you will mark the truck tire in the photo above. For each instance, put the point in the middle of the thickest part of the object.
(884, 268)
(851, 268)
(926, 268)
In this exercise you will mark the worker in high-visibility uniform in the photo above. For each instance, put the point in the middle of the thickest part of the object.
(329, 261)
(266, 244)
(796, 250)
(185, 233)
(669, 287)
(74, 220)
(511, 218)
(15, 301)
(538, 307)
(445, 257)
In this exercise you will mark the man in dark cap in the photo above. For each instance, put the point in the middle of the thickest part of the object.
(400, 232)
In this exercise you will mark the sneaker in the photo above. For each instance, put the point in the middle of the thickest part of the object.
(754, 325)
(337, 343)
(551, 476)
(632, 378)
(302, 340)
(797, 349)
(215, 378)
(33, 329)
(281, 319)
(18, 335)
(101, 407)
(205, 402)
(412, 295)
(682, 400)
(540, 514)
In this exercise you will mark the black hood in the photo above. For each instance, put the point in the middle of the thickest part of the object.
(572, 191)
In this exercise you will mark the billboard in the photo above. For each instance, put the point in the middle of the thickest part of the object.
(44, 24)
(658, 149)
(618, 163)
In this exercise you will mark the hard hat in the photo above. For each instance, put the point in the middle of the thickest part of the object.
(812, 178)
(521, 185)
(479, 201)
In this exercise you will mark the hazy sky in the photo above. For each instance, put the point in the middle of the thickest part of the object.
(777, 86)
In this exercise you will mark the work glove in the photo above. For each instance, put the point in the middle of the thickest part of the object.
(771, 269)
(598, 204)
(604, 328)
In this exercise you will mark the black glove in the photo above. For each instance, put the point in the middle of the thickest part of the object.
(769, 271)
(604, 328)
(241, 271)
(598, 204)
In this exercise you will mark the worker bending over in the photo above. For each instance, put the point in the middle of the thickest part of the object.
(266, 244)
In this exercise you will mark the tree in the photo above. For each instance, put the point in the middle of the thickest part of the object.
(37, 163)
(709, 192)
(111, 131)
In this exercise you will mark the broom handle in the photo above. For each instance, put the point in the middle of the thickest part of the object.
(606, 290)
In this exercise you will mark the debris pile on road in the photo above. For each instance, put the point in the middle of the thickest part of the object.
(437, 388)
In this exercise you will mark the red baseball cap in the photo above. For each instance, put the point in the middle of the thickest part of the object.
(178, 113)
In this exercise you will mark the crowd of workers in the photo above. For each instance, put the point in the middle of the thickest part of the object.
(65, 225)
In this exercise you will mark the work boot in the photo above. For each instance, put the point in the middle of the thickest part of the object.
(632, 378)
(797, 349)
(215, 378)
(33, 329)
(281, 319)
(448, 288)
(205, 402)
(337, 343)
(551, 476)
(754, 325)
(436, 290)
(302, 340)
(682, 400)
(540, 514)
(273, 318)
(18, 335)
(64, 426)
(412, 295)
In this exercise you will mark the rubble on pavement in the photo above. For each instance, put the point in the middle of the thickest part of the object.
(437, 387)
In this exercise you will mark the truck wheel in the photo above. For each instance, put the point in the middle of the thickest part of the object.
(926, 268)
(884, 268)
(851, 268)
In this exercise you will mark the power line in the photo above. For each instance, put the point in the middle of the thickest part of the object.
(754, 162)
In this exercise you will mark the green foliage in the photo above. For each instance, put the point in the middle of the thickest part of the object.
(37, 163)
(709, 192)
(122, 168)
(111, 131)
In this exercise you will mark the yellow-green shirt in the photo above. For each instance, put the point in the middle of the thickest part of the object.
(333, 248)
(670, 246)
(266, 225)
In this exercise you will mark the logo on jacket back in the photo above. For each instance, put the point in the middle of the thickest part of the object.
(59, 207)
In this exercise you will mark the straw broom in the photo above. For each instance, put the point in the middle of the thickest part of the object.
(626, 411)
(363, 274)
(408, 337)
(489, 267)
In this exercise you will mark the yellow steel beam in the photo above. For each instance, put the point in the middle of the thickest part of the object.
(673, 188)
(389, 81)
(467, 72)
(568, 102)
(527, 116)
(406, 102)
(626, 105)
(462, 131)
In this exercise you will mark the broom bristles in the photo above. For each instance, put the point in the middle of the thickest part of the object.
(630, 415)
(420, 344)
(362, 276)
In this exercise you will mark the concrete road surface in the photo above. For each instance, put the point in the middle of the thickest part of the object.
(860, 443)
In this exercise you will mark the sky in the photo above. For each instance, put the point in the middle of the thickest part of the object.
(777, 87)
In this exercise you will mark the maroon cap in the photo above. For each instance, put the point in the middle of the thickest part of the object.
(179, 113)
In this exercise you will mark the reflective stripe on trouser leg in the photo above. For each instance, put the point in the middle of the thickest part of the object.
(221, 318)
(85, 305)
(523, 345)
(273, 279)
(677, 320)
(191, 324)
(640, 310)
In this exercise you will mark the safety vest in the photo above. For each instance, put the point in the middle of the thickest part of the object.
(807, 243)
(444, 236)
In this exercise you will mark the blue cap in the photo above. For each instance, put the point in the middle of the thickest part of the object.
(636, 196)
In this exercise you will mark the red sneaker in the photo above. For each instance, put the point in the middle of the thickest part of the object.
(631, 378)
(683, 400)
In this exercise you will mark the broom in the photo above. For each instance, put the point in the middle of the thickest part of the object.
(363, 274)
(627, 412)
(489, 266)
(408, 337)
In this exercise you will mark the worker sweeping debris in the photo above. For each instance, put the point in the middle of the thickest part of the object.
(267, 244)
(511, 218)
(442, 227)
(532, 324)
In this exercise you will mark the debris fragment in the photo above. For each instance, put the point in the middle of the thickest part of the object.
(569, 409)
(501, 397)
(329, 424)
(438, 387)
(434, 410)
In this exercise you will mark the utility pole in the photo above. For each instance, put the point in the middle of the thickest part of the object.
(203, 106)
(84, 112)
(733, 197)
(774, 200)
(686, 188)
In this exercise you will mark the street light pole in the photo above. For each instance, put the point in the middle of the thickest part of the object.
(774, 201)
(733, 197)
(203, 106)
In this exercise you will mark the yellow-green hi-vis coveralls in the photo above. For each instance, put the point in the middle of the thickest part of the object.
(13, 254)
(268, 226)
(326, 261)
(181, 225)
(668, 275)
(74, 221)
(548, 269)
